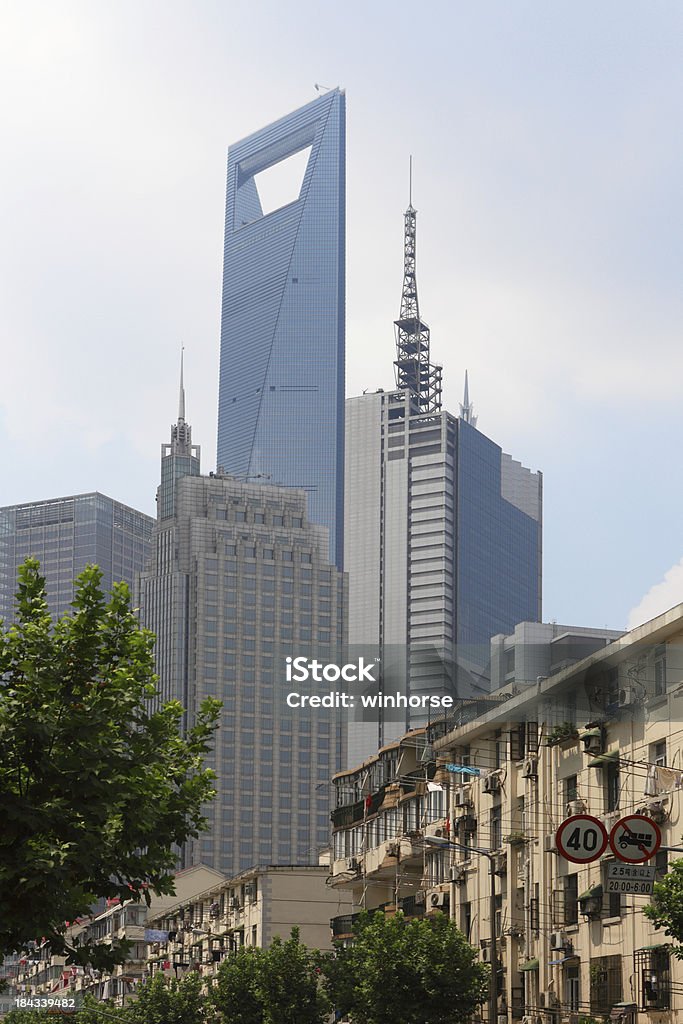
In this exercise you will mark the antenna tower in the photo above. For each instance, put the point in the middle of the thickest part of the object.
(414, 370)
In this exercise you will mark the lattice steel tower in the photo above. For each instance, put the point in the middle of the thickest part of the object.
(414, 370)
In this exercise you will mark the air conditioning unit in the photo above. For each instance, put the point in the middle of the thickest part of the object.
(487, 955)
(502, 1018)
(558, 940)
(530, 768)
(593, 742)
(463, 796)
(492, 783)
(457, 875)
(576, 807)
(548, 999)
(234, 903)
(549, 844)
(626, 697)
(438, 899)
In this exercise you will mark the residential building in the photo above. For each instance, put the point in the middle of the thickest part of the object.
(247, 910)
(443, 532)
(239, 580)
(65, 535)
(43, 975)
(421, 824)
(281, 393)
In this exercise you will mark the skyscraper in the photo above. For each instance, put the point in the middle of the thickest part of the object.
(65, 535)
(281, 393)
(443, 531)
(239, 579)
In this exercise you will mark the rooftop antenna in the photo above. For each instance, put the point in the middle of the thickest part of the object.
(414, 371)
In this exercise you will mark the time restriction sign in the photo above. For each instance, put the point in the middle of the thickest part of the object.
(635, 838)
(581, 838)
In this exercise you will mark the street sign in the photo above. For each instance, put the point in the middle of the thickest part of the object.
(581, 839)
(637, 879)
(635, 838)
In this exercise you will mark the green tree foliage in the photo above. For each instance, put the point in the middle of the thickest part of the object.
(163, 1002)
(96, 782)
(236, 994)
(406, 971)
(279, 985)
(665, 909)
(290, 984)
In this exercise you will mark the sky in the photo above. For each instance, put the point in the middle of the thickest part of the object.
(547, 157)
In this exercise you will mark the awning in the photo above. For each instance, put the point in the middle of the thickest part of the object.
(530, 965)
(595, 892)
(589, 733)
(611, 757)
(649, 949)
(565, 960)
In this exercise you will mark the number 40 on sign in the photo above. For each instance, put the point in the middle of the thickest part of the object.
(581, 838)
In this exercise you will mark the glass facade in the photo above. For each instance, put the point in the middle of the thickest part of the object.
(65, 535)
(281, 391)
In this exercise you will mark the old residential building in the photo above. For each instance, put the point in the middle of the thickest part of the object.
(247, 910)
(602, 736)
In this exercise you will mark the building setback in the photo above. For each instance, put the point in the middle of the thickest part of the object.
(442, 531)
(65, 535)
(281, 392)
(239, 580)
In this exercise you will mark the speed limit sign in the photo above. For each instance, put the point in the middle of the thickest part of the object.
(581, 838)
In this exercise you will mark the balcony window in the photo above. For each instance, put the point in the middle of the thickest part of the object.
(653, 977)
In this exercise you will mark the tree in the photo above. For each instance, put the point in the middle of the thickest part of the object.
(174, 1002)
(96, 782)
(278, 985)
(290, 983)
(665, 909)
(235, 993)
(406, 971)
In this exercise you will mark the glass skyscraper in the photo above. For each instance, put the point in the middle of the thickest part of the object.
(281, 393)
(65, 535)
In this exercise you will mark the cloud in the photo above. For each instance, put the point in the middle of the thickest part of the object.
(660, 597)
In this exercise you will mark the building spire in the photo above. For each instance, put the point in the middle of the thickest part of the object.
(181, 401)
(414, 371)
(466, 408)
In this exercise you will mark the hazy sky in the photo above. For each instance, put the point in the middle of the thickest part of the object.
(547, 151)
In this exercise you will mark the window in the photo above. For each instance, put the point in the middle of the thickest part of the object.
(660, 670)
(612, 788)
(653, 978)
(571, 899)
(572, 988)
(658, 755)
(496, 837)
(605, 983)
(570, 788)
(278, 521)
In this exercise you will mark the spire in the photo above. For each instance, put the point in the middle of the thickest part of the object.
(181, 402)
(466, 408)
(414, 371)
(179, 457)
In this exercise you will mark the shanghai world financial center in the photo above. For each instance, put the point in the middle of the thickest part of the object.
(281, 394)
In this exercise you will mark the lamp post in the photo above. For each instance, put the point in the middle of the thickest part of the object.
(445, 844)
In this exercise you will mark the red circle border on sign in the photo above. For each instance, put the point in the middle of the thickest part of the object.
(593, 821)
(637, 817)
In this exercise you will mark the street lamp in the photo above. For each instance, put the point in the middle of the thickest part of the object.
(445, 844)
